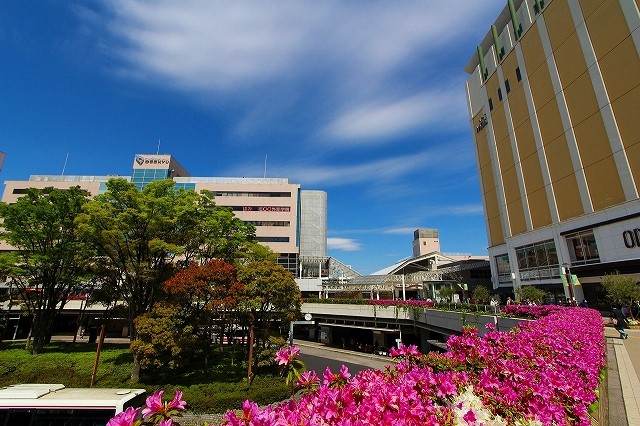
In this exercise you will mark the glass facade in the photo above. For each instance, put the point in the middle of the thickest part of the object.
(538, 261)
(185, 186)
(141, 177)
(583, 248)
(289, 261)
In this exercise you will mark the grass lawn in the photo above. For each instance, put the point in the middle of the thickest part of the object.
(221, 388)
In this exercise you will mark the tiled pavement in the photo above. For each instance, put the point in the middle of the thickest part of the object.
(622, 374)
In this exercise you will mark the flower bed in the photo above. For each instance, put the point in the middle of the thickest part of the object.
(543, 372)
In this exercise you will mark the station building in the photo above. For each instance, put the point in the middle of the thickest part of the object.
(289, 220)
(553, 99)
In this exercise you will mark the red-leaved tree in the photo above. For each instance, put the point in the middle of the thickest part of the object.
(208, 294)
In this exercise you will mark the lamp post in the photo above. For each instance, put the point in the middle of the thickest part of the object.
(567, 273)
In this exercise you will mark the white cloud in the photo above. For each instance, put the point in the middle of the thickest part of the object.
(349, 52)
(400, 231)
(345, 244)
(459, 210)
(393, 117)
(443, 160)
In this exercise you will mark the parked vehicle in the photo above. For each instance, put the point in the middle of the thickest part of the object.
(55, 404)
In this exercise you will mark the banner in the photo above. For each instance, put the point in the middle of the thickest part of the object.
(574, 279)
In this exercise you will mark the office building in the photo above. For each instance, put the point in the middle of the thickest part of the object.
(289, 220)
(554, 102)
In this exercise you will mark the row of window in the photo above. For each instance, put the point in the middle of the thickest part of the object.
(540, 260)
(268, 222)
(250, 194)
(272, 239)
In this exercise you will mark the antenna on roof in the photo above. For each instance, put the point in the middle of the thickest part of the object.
(265, 165)
(65, 164)
(158, 150)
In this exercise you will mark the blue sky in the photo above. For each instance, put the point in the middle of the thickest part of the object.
(362, 99)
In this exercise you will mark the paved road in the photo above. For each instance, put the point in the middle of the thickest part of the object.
(319, 357)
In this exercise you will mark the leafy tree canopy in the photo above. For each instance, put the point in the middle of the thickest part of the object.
(49, 261)
(144, 236)
(621, 288)
(481, 293)
(529, 292)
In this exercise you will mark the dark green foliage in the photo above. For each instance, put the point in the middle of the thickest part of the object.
(480, 294)
(265, 356)
(48, 261)
(166, 340)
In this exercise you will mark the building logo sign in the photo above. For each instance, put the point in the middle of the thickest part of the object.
(631, 238)
(151, 160)
(482, 123)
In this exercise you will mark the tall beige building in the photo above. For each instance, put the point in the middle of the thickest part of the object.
(554, 104)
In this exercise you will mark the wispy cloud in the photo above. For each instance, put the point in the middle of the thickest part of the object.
(363, 61)
(444, 159)
(395, 117)
(344, 244)
(400, 231)
(455, 210)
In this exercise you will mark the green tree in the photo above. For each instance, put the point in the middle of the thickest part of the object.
(48, 260)
(481, 294)
(166, 343)
(271, 295)
(621, 288)
(529, 292)
(446, 293)
(143, 237)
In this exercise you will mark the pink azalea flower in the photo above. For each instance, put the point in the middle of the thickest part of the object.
(470, 417)
(177, 402)
(282, 356)
(154, 404)
(125, 418)
(308, 379)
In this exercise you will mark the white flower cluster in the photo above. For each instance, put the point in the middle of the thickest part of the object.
(470, 411)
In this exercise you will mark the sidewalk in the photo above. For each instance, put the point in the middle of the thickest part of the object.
(622, 374)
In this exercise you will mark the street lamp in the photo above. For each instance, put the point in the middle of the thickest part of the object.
(567, 273)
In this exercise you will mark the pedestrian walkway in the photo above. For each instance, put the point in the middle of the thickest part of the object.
(622, 375)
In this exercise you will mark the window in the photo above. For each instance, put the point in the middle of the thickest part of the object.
(518, 75)
(538, 261)
(20, 191)
(490, 104)
(268, 222)
(499, 94)
(583, 248)
(503, 267)
(250, 194)
(507, 86)
(272, 239)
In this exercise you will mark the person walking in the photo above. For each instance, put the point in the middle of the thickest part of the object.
(619, 321)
